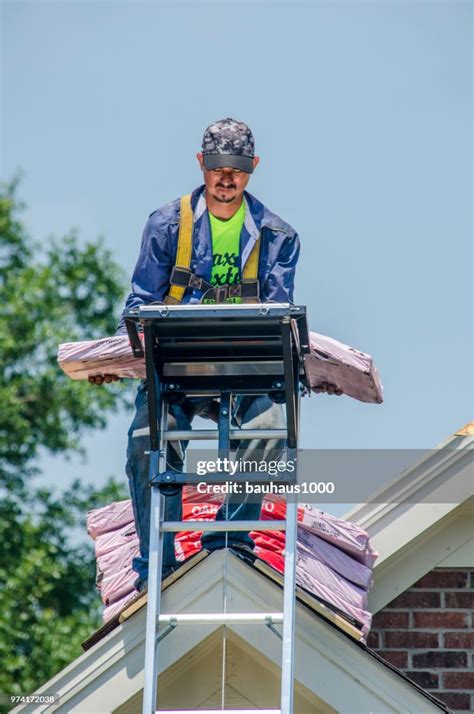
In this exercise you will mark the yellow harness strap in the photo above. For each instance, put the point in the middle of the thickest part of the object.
(185, 248)
(250, 270)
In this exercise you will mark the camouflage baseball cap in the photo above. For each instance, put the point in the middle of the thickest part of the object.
(228, 142)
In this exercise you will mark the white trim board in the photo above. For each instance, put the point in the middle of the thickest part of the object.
(418, 498)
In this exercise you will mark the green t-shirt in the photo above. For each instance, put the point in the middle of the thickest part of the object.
(226, 248)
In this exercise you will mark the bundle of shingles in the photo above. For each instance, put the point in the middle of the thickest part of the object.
(334, 558)
(329, 361)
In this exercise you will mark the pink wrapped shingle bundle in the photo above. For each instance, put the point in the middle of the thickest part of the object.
(116, 607)
(109, 355)
(116, 544)
(345, 535)
(117, 560)
(321, 580)
(336, 559)
(352, 371)
(108, 518)
(114, 539)
(117, 585)
(330, 361)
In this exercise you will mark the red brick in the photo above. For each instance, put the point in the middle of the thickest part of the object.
(459, 640)
(440, 659)
(373, 640)
(440, 619)
(442, 579)
(395, 657)
(455, 700)
(427, 680)
(409, 639)
(456, 599)
(459, 680)
(387, 619)
(412, 598)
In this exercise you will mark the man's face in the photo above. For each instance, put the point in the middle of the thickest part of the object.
(225, 185)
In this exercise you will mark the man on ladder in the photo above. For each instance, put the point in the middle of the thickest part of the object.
(220, 244)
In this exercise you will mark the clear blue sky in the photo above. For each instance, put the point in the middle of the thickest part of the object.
(362, 115)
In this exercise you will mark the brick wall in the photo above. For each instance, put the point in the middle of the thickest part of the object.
(428, 632)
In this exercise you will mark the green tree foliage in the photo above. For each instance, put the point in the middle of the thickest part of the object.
(48, 600)
(58, 292)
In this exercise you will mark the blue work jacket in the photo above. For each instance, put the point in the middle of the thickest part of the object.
(279, 251)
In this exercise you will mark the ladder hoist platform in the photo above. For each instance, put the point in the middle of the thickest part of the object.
(223, 351)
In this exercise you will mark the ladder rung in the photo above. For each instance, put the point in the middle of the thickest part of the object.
(213, 434)
(223, 618)
(189, 526)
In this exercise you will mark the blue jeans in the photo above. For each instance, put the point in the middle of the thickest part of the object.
(255, 413)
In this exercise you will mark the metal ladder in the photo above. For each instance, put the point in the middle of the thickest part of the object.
(165, 367)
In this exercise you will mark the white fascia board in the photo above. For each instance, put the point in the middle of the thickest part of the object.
(418, 498)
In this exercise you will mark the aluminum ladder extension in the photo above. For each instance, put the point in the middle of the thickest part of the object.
(281, 368)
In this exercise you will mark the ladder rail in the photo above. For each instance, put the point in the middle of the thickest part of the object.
(155, 560)
(160, 435)
(289, 608)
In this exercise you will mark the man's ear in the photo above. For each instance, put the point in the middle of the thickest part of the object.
(256, 161)
(200, 159)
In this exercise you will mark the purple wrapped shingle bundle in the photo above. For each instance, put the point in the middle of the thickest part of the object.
(109, 355)
(115, 515)
(116, 607)
(345, 535)
(117, 559)
(330, 361)
(117, 585)
(108, 542)
(334, 561)
(116, 544)
(348, 369)
(320, 579)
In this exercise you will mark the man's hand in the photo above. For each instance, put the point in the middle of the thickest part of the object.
(327, 388)
(100, 378)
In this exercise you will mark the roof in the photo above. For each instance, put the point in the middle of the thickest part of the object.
(111, 669)
(414, 522)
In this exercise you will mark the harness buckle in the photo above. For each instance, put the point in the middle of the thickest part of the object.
(195, 281)
(235, 290)
(221, 293)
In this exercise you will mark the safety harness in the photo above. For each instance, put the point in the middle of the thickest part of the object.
(182, 276)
